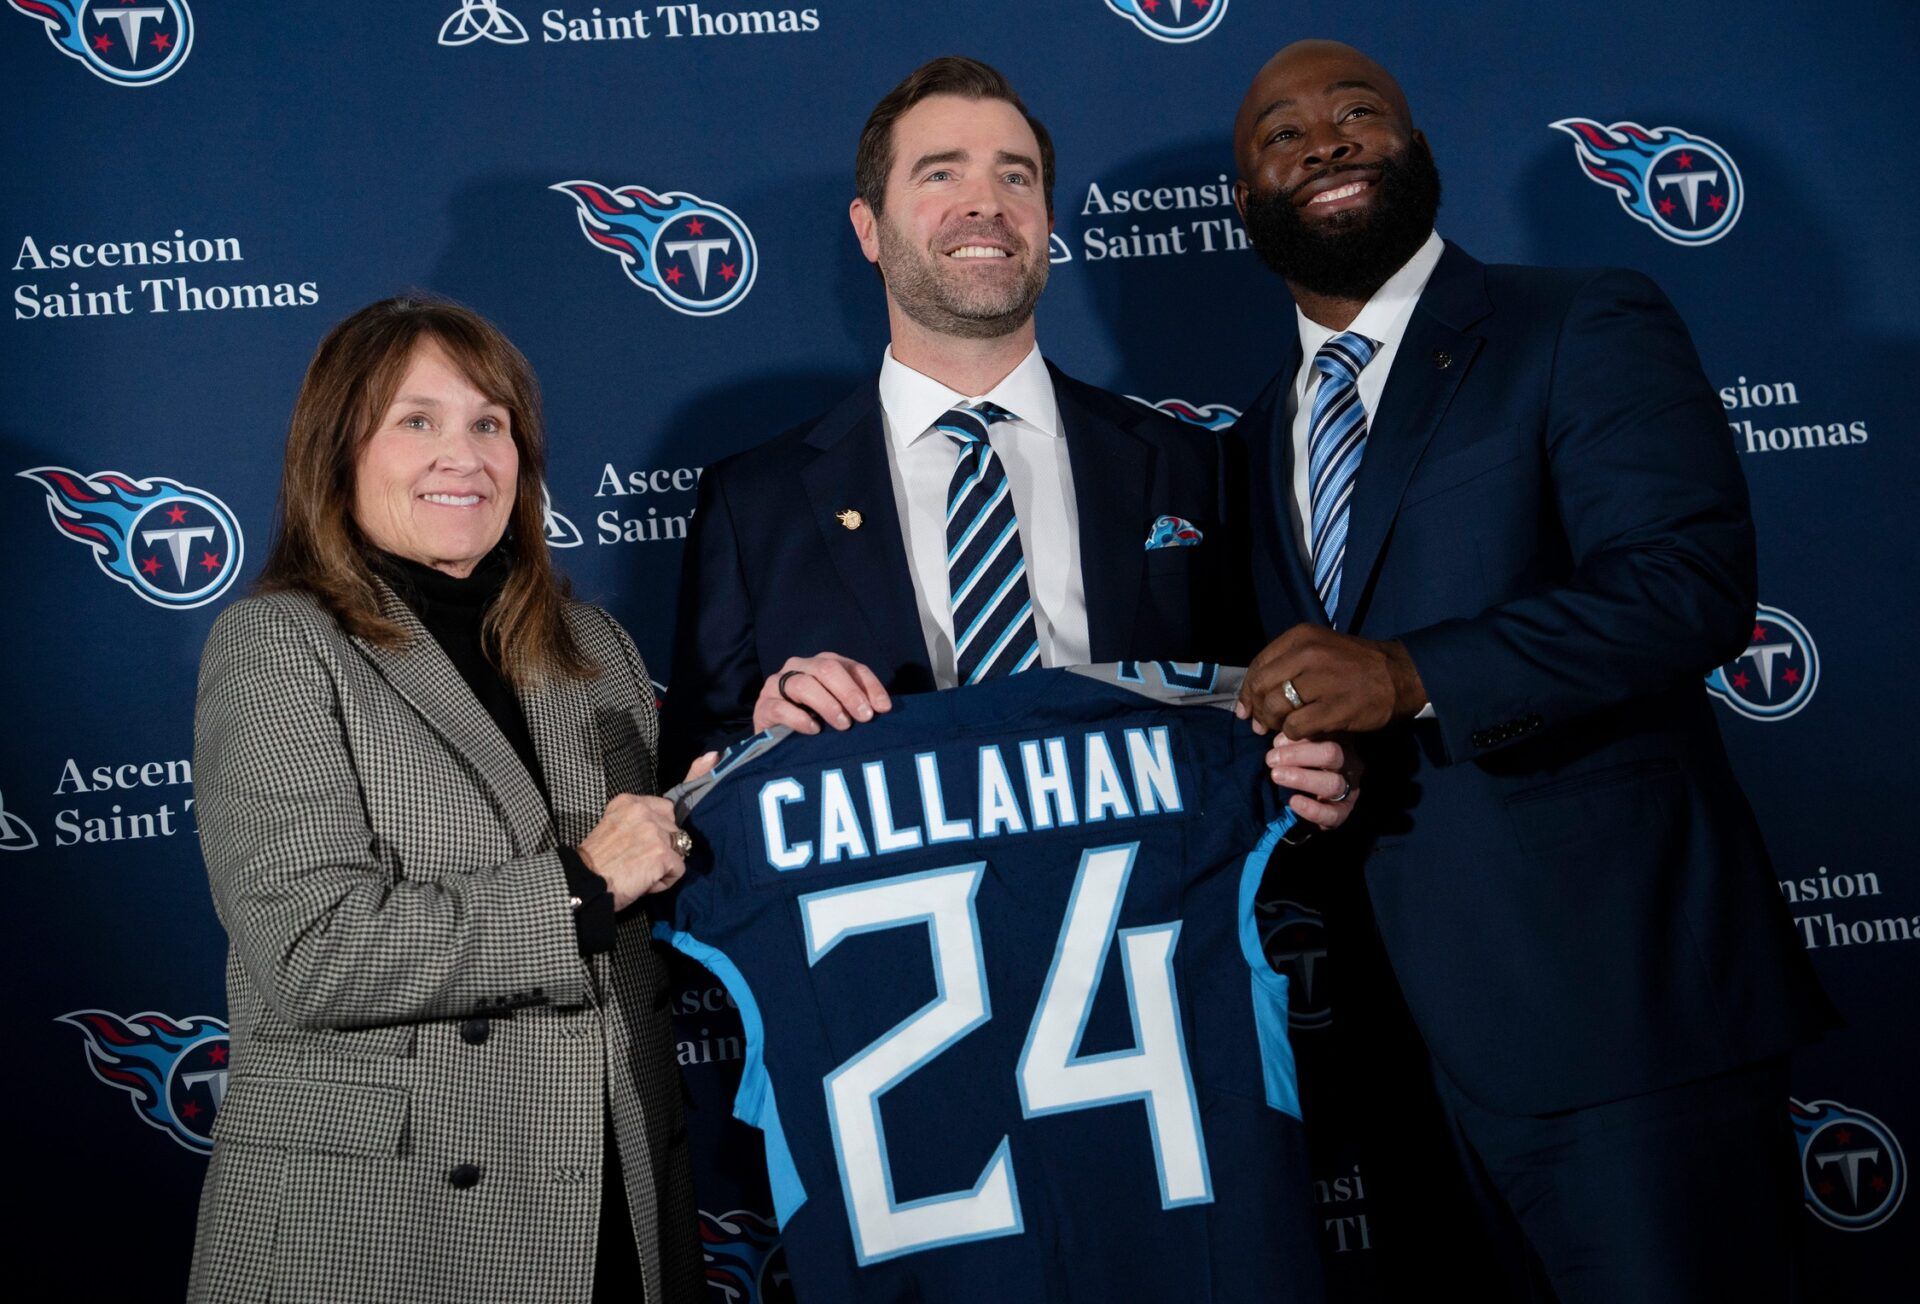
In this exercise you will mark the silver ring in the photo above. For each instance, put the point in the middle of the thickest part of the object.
(682, 843)
(1293, 694)
(1346, 790)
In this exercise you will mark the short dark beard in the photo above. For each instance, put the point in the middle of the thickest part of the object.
(1350, 255)
(913, 279)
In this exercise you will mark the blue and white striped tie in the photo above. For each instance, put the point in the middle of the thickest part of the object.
(993, 632)
(1335, 442)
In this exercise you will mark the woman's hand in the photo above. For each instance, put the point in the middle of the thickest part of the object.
(1325, 781)
(632, 847)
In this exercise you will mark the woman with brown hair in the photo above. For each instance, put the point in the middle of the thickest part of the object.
(423, 782)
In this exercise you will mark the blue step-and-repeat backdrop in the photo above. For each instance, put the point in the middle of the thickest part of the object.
(196, 191)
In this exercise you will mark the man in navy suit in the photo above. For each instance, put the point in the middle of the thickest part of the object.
(1070, 526)
(1500, 533)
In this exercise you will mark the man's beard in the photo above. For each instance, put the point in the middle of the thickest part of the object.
(960, 306)
(1350, 255)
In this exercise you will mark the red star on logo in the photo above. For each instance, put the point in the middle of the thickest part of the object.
(1201, 4)
(1716, 203)
(1791, 675)
(151, 566)
(1759, 633)
(1666, 207)
(1824, 1188)
(1878, 1183)
(1740, 680)
(1685, 160)
(216, 1054)
(190, 1111)
(161, 41)
(210, 561)
(673, 275)
(103, 43)
(695, 226)
(1844, 1135)
(176, 514)
(728, 271)
(1149, 5)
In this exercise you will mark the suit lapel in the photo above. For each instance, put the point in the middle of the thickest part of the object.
(1268, 437)
(850, 472)
(566, 737)
(1434, 357)
(1112, 477)
(421, 673)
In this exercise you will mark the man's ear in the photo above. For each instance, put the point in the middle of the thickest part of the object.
(1240, 199)
(866, 228)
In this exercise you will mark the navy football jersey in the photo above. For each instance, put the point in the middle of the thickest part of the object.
(1011, 1035)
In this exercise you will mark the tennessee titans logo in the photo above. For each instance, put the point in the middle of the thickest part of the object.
(1295, 941)
(1685, 187)
(1174, 21)
(743, 1262)
(15, 833)
(1777, 673)
(1208, 416)
(696, 256)
(174, 545)
(131, 45)
(1851, 1164)
(175, 1072)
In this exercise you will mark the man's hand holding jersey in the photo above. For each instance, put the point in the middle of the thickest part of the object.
(830, 690)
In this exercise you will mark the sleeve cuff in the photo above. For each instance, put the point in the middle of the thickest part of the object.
(593, 913)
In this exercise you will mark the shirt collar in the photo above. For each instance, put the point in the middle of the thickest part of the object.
(913, 401)
(1384, 319)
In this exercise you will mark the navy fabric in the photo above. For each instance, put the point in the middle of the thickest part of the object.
(772, 571)
(1570, 886)
(1093, 1225)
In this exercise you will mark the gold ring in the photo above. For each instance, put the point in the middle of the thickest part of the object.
(682, 843)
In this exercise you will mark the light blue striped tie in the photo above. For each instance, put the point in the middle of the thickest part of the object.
(1335, 442)
(993, 631)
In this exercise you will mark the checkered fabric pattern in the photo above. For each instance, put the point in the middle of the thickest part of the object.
(420, 1056)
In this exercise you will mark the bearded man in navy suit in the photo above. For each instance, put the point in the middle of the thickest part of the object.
(1501, 537)
(834, 565)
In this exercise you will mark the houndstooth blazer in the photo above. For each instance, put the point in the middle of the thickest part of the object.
(420, 1055)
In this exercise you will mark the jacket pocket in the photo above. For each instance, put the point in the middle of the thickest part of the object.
(337, 1118)
(1608, 776)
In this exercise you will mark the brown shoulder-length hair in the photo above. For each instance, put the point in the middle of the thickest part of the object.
(317, 546)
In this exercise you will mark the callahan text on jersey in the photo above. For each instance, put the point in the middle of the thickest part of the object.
(1126, 775)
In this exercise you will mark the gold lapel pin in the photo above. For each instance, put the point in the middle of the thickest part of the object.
(850, 518)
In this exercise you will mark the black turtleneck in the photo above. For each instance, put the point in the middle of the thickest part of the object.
(453, 608)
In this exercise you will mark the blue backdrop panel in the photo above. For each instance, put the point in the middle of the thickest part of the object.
(196, 194)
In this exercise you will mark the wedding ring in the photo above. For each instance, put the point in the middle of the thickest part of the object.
(682, 842)
(781, 687)
(1292, 694)
(1346, 790)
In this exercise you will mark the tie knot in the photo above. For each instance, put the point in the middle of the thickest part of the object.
(968, 422)
(1344, 356)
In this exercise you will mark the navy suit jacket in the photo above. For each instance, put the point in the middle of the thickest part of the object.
(1570, 886)
(771, 572)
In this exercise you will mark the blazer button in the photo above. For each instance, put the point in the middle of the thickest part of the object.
(474, 1031)
(464, 1177)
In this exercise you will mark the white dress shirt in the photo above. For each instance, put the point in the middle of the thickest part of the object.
(1384, 320)
(1033, 449)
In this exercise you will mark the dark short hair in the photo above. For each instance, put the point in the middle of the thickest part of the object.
(949, 75)
(317, 546)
